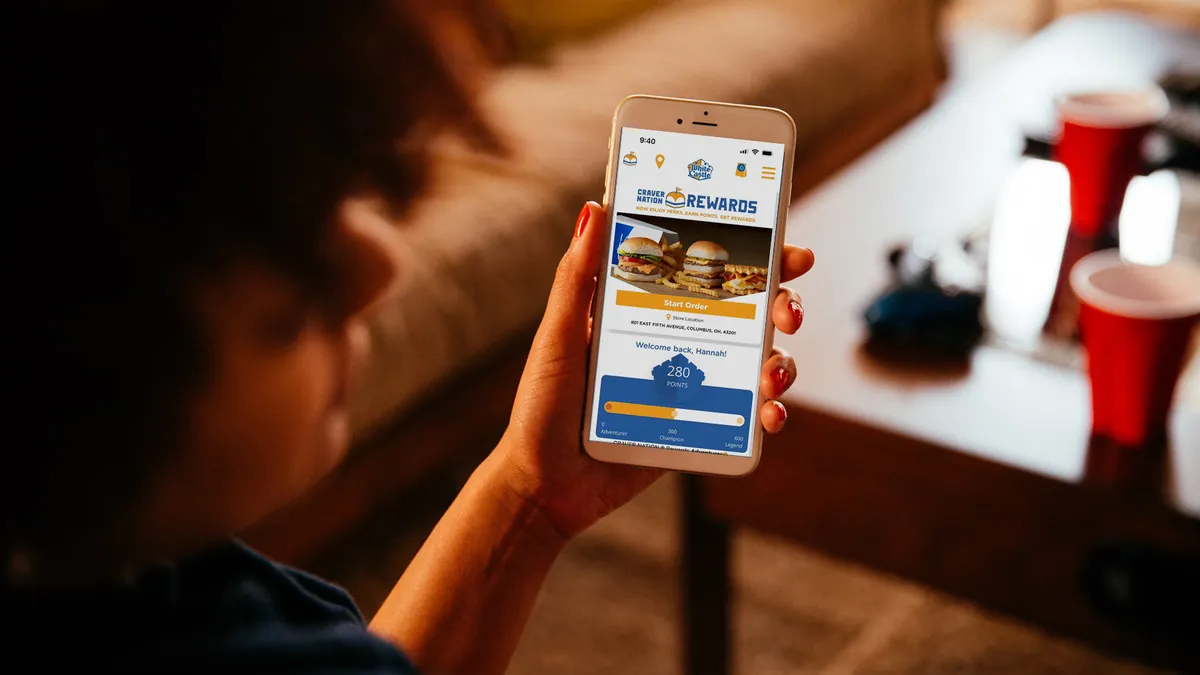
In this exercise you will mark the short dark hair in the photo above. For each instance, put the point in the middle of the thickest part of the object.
(159, 141)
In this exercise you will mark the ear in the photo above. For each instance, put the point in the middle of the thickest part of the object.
(372, 256)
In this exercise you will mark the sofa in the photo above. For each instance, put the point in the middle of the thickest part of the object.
(447, 355)
(1027, 16)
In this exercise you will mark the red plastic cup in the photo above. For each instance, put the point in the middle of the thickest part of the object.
(1101, 146)
(1135, 322)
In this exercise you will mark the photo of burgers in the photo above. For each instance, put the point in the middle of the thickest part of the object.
(639, 259)
(704, 265)
(745, 279)
(676, 257)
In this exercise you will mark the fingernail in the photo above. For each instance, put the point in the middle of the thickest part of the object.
(780, 377)
(781, 408)
(797, 311)
(581, 224)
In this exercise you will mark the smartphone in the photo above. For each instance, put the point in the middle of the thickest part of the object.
(696, 194)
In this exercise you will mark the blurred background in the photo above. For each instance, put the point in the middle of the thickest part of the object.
(933, 506)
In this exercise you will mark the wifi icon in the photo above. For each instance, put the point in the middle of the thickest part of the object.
(755, 151)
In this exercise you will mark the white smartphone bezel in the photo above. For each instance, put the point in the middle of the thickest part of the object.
(702, 118)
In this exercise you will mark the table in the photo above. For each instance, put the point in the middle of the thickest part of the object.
(968, 481)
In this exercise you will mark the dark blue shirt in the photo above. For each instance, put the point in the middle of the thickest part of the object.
(229, 610)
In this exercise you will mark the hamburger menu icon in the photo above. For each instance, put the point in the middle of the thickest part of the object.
(630, 159)
(676, 199)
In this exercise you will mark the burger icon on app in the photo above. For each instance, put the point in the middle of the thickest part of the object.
(630, 159)
(676, 199)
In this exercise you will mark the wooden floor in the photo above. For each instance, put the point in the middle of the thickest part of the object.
(610, 604)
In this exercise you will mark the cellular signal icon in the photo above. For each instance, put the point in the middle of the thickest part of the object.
(755, 151)
(744, 152)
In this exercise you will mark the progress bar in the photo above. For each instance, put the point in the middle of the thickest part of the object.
(680, 414)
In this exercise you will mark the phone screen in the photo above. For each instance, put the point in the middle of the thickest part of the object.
(685, 301)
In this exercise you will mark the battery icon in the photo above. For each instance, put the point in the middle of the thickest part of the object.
(767, 153)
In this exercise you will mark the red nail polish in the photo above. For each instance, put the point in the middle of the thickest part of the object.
(581, 224)
(780, 377)
(797, 311)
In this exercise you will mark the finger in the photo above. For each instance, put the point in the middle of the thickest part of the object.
(591, 319)
(788, 311)
(565, 326)
(773, 415)
(797, 261)
(778, 374)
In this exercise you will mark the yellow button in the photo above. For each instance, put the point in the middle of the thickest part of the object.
(672, 303)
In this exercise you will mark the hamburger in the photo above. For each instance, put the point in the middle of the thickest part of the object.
(639, 259)
(745, 279)
(704, 264)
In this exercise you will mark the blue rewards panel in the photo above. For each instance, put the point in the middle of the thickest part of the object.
(675, 408)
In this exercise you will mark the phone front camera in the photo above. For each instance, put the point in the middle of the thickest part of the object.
(706, 113)
(679, 121)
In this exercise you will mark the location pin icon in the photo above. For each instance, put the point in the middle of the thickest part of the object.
(659, 160)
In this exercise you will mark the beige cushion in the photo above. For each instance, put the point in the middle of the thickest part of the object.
(1182, 12)
(1028, 16)
(480, 249)
(539, 25)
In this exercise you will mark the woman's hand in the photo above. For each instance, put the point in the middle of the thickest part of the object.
(541, 448)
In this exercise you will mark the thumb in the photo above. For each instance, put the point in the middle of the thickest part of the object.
(563, 333)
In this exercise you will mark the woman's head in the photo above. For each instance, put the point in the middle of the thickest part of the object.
(184, 171)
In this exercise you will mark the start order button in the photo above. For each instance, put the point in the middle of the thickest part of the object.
(674, 303)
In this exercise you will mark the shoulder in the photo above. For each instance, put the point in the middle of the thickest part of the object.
(228, 610)
(291, 589)
(335, 650)
(292, 621)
